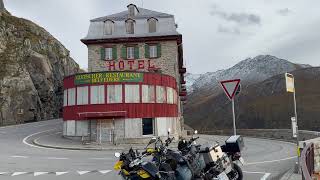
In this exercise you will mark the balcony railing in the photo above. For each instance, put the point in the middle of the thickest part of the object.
(307, 162)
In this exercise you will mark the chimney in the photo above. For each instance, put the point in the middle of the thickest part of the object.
(2, 6)
(132, 10)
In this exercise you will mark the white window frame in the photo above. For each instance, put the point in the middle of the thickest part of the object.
(160, 98)
(71, 96)
(130, 52)
(99, 97)
(109, 27)
(109, 53)
(65, 97)
(152, 21)
(115, 95)
(82, 95)
(132, 95)
(153, 51)
(130, 26)
(148, 94)
(170, 95)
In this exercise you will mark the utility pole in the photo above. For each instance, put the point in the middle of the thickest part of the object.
(2, 5)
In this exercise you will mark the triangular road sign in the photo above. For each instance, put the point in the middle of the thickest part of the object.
(230, 87)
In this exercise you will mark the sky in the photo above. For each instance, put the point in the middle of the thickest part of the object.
(216, 34)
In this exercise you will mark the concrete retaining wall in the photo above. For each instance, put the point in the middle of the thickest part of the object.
(283, 134)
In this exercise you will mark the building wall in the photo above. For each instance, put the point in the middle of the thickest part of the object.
(167, 63)
(165, 26)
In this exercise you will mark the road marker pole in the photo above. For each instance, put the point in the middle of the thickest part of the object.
(291, 89)
(234, 118)
(232, 88)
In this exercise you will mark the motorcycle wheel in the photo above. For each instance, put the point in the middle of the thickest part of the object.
(239, 171)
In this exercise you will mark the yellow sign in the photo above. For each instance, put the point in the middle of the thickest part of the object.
(105, 77)
(289, 82)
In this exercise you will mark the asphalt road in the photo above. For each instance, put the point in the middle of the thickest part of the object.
(264, 158)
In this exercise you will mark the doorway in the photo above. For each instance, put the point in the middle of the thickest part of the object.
(147, 126)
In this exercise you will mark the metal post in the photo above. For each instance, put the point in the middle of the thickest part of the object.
(234, 118)
(296, 116)
(100, 131)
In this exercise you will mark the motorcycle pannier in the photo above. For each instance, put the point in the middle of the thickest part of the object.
(234, 144)
(211, 154)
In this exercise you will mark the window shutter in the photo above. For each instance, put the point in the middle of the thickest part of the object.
(158, 50)
(136, 52)
(114, 52)
(146, 51)
(124, 52)
(103, 53)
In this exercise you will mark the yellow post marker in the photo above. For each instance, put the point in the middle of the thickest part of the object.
(291, 89)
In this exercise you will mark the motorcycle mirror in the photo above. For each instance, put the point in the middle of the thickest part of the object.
(117, 154)
(196, 132)
(169, 130)
(152, 140)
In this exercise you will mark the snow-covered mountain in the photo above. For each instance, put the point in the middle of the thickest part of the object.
(250, 70)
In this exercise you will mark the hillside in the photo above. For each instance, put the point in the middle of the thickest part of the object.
(263, 104)
(32, 66)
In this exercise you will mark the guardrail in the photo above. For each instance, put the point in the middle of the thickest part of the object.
(307, 161)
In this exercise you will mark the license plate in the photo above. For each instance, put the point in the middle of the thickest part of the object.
(223, 176)
(241, 160)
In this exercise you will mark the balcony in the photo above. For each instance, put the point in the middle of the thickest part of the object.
(182, 70)
(183, 93)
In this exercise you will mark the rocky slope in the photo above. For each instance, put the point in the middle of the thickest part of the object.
(32, 66)
(261, 104)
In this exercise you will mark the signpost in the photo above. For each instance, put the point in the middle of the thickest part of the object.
(295, 129)
(231, 88)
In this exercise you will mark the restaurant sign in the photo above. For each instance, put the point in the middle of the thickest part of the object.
(107, 77)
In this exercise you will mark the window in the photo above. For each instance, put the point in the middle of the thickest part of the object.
(65, 97)
(71, 97)
(131, 10)
(148, 94)
(114, 93)
(132, 94)
(82, 95)
(152, 22)
(130, 52)
(161, 94)
(175, 97)
(97, 94)
(130, 26)
(109, 27)
(153, 51)
(108, 53)
(170, 95)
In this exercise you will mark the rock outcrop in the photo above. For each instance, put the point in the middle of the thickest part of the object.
(32, 66)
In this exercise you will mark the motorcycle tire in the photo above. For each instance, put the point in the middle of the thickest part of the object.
(239, 171)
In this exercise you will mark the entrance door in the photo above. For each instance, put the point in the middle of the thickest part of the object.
(147, 126)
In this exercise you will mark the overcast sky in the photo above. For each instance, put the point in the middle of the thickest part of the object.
(216, 34)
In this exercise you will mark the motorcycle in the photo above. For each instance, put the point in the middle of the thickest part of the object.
(219, 164)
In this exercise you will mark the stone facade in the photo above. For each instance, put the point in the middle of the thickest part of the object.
(167, 63)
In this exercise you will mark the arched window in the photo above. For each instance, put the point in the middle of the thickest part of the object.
(130, 26)
(108, 27)
(152, 23)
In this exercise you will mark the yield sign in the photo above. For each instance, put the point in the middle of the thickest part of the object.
(230, 87)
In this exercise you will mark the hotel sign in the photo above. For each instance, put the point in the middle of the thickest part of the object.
(108, 77)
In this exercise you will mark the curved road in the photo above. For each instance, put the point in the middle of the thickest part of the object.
(264, 158)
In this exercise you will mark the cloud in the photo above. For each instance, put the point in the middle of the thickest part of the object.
(284, 12)
(229, 30)
(239, 18)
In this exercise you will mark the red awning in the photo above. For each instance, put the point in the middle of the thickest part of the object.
(101, 115)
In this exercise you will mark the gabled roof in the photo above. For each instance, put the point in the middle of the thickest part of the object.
(143, 14)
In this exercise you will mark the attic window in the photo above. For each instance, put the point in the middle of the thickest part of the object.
(108, 27)
(130, 26)
(152, 23)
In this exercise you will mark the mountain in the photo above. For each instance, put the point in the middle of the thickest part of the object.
(190, 80)
(250, 71)
(263, 102)
(32, 66)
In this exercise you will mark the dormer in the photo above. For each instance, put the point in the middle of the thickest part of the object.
(132, 10)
